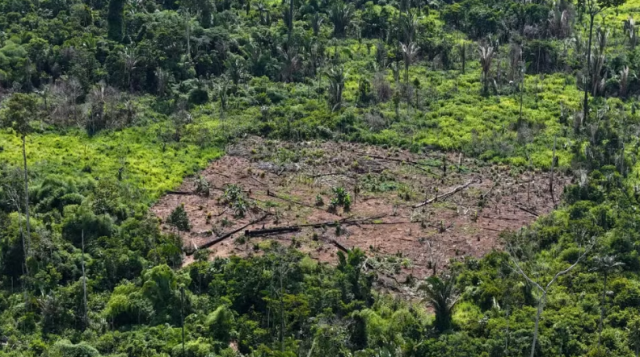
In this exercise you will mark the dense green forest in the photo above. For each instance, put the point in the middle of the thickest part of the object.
(108, 104)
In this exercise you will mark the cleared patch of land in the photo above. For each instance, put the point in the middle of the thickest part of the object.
(410, 213)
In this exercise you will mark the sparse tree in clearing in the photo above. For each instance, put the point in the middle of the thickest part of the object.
(179, 219)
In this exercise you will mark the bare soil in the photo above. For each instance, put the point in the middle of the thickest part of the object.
(286, 181)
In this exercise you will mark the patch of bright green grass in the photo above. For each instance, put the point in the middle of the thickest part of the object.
(136, 151)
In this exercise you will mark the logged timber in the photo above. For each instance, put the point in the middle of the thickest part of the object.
(229, 234)
(270, 231)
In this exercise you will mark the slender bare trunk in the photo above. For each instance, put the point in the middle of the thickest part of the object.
(26, 193)
(602, 307)
(182, 319)
(553, 162)
(188, 34)
(506, 343)
(281, 315)
(538, 314)
(84, 287)
(290, 21)
(585, 105)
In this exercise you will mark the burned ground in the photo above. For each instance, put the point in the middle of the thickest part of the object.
(410, 213)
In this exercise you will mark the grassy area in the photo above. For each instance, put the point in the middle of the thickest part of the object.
(137, 151)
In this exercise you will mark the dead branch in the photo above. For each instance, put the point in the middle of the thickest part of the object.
(526, 210)
(445, 195)
(331, 174)
(274, 195)
(182, 193)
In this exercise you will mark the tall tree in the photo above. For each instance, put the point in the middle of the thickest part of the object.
(84, 288)
(409, 52)
(486, 58)
(20, 109)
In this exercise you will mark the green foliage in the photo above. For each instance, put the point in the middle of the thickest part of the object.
(20, 110)
(341, 198)
(441, 294)
(179, 219)
(115, 19)
(124, 104)
(64, 348)
(234, 197)
(221, 323)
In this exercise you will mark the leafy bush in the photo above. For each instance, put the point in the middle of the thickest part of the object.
(179, 219)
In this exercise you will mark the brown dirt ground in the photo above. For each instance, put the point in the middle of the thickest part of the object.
(405, 241)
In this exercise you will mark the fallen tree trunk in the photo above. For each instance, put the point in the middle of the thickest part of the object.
(182, 193)
(445, 195)
(269, 231)
(227, 235)
(527, 210)
(296, 228)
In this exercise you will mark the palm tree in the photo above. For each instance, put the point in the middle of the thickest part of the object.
(163, 78)
(408, 25)
(442, 295)
(630, 28)
(336, 87)
(486, 58)
(409, 52)
(290, 63)
(130, 60)
(341, 15)
(606, 265)
(315, 20)
(624, 81)
(598, 60)
(235, 68)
